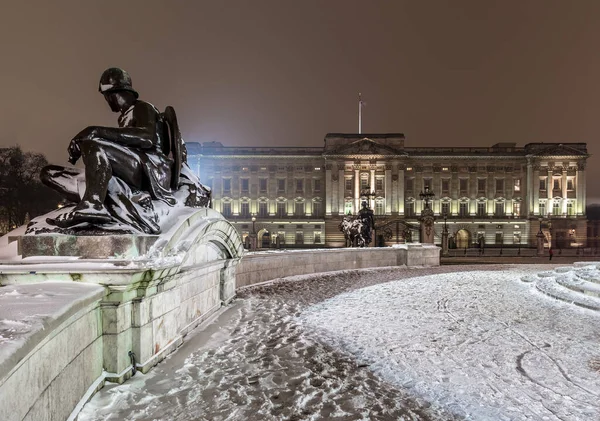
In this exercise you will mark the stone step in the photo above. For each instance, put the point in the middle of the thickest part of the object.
(579, 285)
(549, 286)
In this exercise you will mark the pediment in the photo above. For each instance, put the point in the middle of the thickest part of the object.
(559, 149)
(364, 146)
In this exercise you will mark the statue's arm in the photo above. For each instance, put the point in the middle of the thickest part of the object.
(142, 135)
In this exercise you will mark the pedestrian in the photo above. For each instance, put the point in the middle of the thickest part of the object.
(550, 253)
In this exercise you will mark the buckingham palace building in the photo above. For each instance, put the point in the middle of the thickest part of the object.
(497, 196)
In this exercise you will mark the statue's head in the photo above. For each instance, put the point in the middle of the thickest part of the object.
(115, 85)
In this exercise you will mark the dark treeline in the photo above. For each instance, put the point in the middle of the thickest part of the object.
(22, 195)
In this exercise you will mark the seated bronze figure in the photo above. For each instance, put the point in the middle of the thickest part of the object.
(129, 170)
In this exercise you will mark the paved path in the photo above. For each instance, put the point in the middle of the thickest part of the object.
(256, 362)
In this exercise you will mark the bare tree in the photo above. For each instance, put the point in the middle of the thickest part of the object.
(22, 195)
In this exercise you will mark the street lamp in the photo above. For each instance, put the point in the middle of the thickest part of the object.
(445, 236)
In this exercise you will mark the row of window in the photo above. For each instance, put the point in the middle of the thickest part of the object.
(463, 209)
(299, 183)
(281, 209)
(557, 208)
(463, 185)
(557, 183)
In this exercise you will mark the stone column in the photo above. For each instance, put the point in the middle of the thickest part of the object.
(563, 185)
(536, 190)
(372, 184)
(356, 188)
(580, 189)
(388, 189)
(529, 192)
(400, 191)
(328, 190)
(341, 191)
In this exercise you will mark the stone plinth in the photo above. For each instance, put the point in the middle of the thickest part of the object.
(140, 311)
(86, 247)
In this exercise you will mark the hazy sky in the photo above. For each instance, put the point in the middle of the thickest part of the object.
(285, 73)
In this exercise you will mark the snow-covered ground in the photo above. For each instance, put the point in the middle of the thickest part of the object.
(444, 343)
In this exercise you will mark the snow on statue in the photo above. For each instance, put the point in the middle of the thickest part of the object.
(134, 174)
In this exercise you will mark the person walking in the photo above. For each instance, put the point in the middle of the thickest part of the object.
(550, 253)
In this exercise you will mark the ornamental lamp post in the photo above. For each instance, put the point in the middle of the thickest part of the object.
(445, 236)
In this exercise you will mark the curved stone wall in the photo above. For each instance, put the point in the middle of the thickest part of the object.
(264, 266)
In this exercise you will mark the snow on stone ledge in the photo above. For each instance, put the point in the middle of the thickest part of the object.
(29, 312)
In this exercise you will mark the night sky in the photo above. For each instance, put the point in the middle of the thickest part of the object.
(285, 73)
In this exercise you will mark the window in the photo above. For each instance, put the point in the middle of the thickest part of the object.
(446, 186)
(281, 212)
(348, 207)
(517, 184)
(463, 183)
(409, 209)
(556, 183)
(499, 238)
(281, 185)
(317, 209)
(364, 183)
(499, 185)
(262, 185)
(226, 185)
(244, 185)
(543, 183)
(427, 183)
(542, 208)
(481, 185)
(348, 183)
(517, 208)
(410, 184)
(570, 209)
(245, 210)
(499, 209)
(446, 208)
(444, 168)
(299, 209)
(556, 208)
(317, 237)
(227, 209)
(379, 184)
(570, 184)
(463, 209)
(481, 209)
(263, 211)
(299, 185)
(517, 237)
(299, 237)
(317, 185)
(379, 210)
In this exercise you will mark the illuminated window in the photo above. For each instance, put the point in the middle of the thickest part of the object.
(516, 208)
(379, 208)
(570, 184)
(348, 207)
(379, 184)
(543, 208)
(348, 183)
(317, 168)
(444, 168)
(408, 168)
(570, 209)
(518, 184)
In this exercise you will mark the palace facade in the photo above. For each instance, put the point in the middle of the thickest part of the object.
(501, 195)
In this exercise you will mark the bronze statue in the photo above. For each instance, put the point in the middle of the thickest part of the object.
(358, 231)
(130, 169)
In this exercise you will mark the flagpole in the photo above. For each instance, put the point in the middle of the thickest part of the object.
(359, 114)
